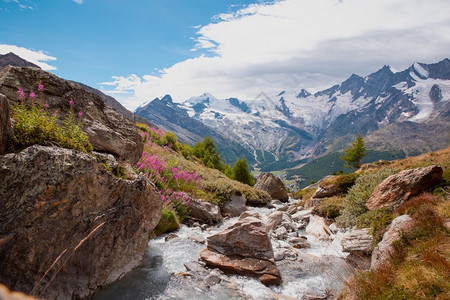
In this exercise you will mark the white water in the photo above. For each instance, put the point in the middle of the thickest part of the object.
(318, 271)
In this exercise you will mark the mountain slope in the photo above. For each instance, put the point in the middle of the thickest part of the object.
(13, 60)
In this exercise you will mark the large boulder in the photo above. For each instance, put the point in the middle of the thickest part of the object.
(235, 207)
(398, 188)
(108, 130)
(383, 251)
(243, 248)
(63, 215)
(272, 185)
(5, 123)
(204, 211)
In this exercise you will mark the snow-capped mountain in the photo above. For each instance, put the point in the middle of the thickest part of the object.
(296, 124)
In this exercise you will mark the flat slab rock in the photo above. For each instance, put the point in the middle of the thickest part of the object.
(266, 271)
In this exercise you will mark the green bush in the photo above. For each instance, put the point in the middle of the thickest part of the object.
(167, 223)
(359, 193)
(330, 208)
(304, 194)
(345, 182)
(240, 172)
(35, 126)
(377, 221)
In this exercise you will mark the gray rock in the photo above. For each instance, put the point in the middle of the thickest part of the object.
(6, 131)
(108, 130)
(273, 220)
(358, 242)
(382, 252)
(170, 236)
(273, 185)
(195, 267)
(198, 239)
(302, 215)
(205, 211)
(63, 202)
(234, 207)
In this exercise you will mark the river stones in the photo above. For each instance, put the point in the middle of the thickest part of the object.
(243, 248)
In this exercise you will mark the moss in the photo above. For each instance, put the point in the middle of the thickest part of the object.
(168, 222)
(304, 194)
(118, 172)
(255, 197)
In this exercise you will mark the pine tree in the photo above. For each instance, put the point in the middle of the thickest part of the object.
(208, 153)
(240, 172)
(354, 154)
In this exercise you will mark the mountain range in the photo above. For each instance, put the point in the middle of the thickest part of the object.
(404, 112)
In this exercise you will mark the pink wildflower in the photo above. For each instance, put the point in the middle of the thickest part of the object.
(40, 87)
(32, 95)
(45, 105)
(80, 114)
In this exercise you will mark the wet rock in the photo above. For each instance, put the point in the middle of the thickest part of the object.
(170, 236)
(302, 215)
(281, 233)
(265, 270)
(243, 248)
(301, 244)
(213, 278)
(248, 237)
(108, 130)
(288, 223)
(358, 242)
(198, 239)
(205, 211)
(250, 213)
(273, 185)
(318, 227)
(292, 209)
(273, 220)
(6, 131)
(382, 252)
(277, 202)
(63, 203)
(313, 202)
(195, 267)
(234, 207)
(398, 188)
(333, 227)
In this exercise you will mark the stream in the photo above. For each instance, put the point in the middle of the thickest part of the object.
(318, 272)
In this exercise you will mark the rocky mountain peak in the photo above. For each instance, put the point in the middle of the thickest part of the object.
(303, 94)
(12, 59)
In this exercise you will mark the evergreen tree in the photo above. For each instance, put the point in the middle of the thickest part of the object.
(240, 172)
(354, 154)
(207, 152)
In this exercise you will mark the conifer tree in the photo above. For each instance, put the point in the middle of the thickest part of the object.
(354, 154)
(240, 172)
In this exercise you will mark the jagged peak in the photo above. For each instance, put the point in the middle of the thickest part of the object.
(303, 94)
(167, 98)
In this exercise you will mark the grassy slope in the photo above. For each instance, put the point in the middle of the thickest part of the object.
(420, 268)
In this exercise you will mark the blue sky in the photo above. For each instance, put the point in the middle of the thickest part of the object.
(139, 50)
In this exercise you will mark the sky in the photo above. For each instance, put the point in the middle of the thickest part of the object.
(138, 50)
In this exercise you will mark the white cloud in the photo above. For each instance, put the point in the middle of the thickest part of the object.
(39, 58)
(78, 1)
(301, 44)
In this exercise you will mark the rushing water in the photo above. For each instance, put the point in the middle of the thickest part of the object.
(317, 272)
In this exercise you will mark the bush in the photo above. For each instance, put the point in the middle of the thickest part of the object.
(330, 208)
(345, 182)
(377, 221)
(33, 125)
(241, 173)
(167, 223)
(359, 193)
(304, 194)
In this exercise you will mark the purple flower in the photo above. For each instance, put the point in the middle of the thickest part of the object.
(21, 93)
(32, 95)
(40, 87)
(45, 105)
(71, 102)
(80, 114)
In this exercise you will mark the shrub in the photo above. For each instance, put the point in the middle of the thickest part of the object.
(345, 182)
(34, 125)
(377, 221)
(330, 208)
(359, 193)
(240, 172)
(118, 172)
(167, 223)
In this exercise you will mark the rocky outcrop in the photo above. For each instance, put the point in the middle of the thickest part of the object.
(383, 251)
(273, 185)
(108, 130)
(357, 242)
(327, 188)
(398, 188)
(243, 248)
(204, 211)
(63, 215)
(5, 123)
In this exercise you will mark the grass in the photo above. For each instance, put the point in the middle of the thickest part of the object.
(420, 265)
